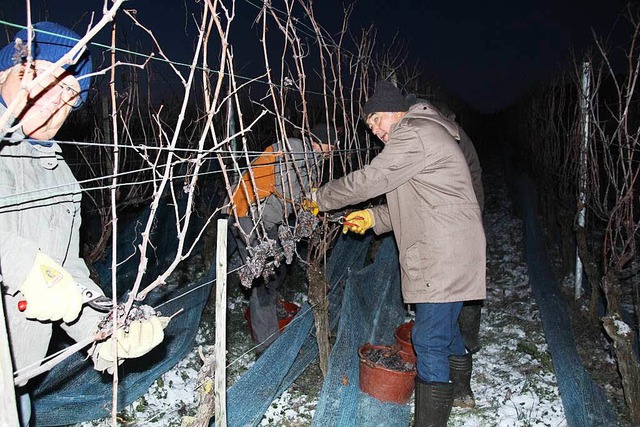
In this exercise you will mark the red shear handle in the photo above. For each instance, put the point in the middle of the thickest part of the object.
(358, 221)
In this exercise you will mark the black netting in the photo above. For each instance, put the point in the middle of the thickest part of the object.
(583, 401)
(371, 312)
(73, 391)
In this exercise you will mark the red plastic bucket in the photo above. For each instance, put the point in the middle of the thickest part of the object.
(289, 308)
(385, 384)
(403, 337)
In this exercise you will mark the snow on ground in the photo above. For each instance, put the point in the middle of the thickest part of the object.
(513, 378)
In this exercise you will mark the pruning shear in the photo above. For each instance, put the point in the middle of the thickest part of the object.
(341, 218)
(92, 298)
(95, 299)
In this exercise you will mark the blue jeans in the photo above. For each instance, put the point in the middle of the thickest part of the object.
(436, 336)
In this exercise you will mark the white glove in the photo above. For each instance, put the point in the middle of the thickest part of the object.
(50, 292)
(142, 337)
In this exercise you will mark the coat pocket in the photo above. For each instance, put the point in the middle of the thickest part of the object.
(415, 263)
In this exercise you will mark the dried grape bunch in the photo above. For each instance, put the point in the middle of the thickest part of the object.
(269, 270)
(288, 243)
(260, 262)
(137, 312)
(306, 224)
(388, 358)
(246, 276)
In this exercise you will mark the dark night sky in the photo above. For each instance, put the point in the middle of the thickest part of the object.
(486, 52)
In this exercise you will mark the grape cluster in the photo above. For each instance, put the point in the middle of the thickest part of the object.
(137, 312)
(288, 243)
(305, 225)
(266, 256)
(388, 359)
(257, 263)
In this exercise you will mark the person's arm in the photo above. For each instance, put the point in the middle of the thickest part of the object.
(298, 169)
(376, 218)
(382, 219)
(401, 159)
(17, 255)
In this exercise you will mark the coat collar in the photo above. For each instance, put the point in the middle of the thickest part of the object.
(426, 111)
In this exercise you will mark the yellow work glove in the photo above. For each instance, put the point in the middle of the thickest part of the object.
(310, 205)
(50, 292)
(358, 222)
(143, 336)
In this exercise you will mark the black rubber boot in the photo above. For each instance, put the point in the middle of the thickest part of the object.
(460, 368)
(433, 404)
(469, 323)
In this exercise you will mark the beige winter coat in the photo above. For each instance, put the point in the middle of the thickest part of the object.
(431, 208)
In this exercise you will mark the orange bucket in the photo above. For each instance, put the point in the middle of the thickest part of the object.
(403, 338)
(289, 308)
(386, 385)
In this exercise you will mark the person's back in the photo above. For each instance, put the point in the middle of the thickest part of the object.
(282, 174)
(465, 143)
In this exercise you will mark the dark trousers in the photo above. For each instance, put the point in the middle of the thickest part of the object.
(263, 306)
(263, 303)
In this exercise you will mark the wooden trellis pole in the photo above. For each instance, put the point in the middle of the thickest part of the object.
(582, 184)
(220, 383)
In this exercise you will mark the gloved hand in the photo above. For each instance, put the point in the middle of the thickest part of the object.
(358, 221)
(143, 336)
(310, 205)
(50, 292)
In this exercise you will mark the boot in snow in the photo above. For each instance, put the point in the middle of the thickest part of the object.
(460, 368)
(432, 404)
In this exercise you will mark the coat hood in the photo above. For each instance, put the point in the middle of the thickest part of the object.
(424, 111)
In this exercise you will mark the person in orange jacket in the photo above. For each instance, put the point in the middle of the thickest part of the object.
(282, 174)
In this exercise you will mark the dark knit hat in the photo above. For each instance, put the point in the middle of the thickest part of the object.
(50, 43)
(320, 133)
(386, 98)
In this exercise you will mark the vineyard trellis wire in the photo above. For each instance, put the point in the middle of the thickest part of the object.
(186, 144)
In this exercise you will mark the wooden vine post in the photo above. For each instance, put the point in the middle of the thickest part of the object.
(221, 325)
(320, 303)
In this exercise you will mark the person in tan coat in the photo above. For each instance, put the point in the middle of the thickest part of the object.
(435, 217)
(471, 313)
